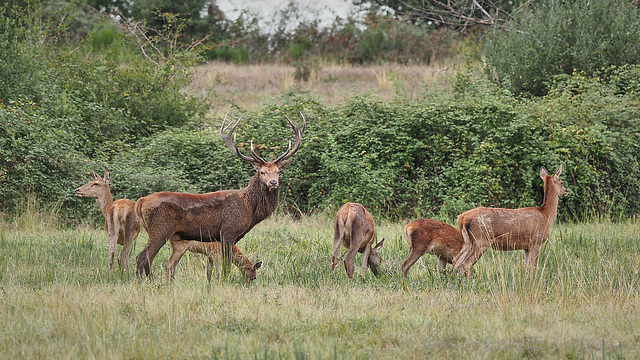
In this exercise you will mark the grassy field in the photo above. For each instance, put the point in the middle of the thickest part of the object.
(59, 301)
(252, 85)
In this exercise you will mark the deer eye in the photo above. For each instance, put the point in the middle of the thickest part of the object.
(262, 172)
(95, 184)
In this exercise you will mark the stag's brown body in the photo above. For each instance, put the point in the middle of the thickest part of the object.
(431, 237)
(122, 224)
(211, 250)
(224, 216)
(354, 228)
(510, 229)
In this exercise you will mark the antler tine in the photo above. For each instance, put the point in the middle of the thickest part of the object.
(255, 155)
(289, 153)
(232, 144)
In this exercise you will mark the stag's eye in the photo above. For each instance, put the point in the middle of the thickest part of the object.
(262, 172)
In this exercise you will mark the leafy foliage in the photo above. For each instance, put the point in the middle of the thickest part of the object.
(561, 37)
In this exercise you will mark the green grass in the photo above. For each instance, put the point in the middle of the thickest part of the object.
(59, 300)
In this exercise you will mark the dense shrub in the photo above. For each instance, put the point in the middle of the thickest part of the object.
(561, 37)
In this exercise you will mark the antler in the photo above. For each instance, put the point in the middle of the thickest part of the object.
(233, 145)
(289, 153)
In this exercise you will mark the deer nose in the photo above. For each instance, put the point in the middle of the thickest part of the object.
(273, 183)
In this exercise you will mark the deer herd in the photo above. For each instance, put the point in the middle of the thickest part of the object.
(213, 223)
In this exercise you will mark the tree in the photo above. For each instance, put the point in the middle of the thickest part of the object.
(454, 14)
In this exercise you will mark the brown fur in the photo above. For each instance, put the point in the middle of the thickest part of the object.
(354, 228)
(431, 237)
(211, 250)
(510, 229)
(121, 222)
(224, 216)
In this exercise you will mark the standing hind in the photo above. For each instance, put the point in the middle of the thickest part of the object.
(354, 228)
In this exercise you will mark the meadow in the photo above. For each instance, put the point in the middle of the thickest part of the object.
(59, 300)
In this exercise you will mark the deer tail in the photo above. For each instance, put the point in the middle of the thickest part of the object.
(138, 209)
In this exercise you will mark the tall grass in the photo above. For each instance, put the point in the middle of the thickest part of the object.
(59, 300)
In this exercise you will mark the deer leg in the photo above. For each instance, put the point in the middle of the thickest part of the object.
(531, 257)
(146, 256)
(464, 252)
(348, 261)
(337, 244)
(113, 247)
(365, 258)
(478, 249)
(442, 263)
(131, 232)
(178, 248)
(411, 259)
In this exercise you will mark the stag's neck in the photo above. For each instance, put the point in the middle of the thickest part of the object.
(550, 206)
(261, 200)
(104, 202)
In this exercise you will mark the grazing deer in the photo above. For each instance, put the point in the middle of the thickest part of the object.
(224, 216)
(210, 249)
(354, 228)
(432, 237)
(122, 223)
(510, 229)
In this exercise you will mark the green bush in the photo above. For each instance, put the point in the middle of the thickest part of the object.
(561, 37)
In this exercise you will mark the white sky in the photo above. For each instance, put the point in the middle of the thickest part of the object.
(267, 9)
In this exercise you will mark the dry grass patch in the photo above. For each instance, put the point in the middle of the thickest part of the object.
(252, 85)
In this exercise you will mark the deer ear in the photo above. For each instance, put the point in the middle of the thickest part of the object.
(257, 265)
(379, 245)
(107, 176)
(543, 173)
(282, 165)
(559, 171)
(96, 176)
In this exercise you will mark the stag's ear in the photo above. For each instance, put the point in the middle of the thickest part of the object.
(543, 173)
(559, 171)
(257, 265)
(107, 176)
(284, 164)
(378, 245)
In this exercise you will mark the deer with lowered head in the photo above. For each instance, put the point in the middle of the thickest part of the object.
(429, 236)
(354, 228)
(122, 223)
(211, 250)
(510, 229)
(224, 216)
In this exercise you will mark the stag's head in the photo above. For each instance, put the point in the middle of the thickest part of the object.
(553, 181)
(374, 258)
(94, 188)
(269, 171)
(250, 272)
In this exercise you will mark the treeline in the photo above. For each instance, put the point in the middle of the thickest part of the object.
(68, 110)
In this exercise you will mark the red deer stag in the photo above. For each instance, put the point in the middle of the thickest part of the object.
(211, 250)
(432, 237)
(510, 229)
(354, 228)
(122, 223)
(224, 216)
